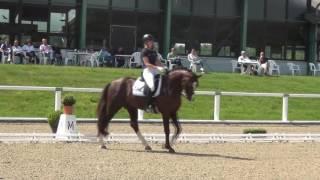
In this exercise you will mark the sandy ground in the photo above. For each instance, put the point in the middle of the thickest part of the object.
(125, 161)
(158, 128)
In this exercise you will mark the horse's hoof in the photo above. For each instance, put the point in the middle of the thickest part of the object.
(103, 147)
(172, 150)
(148, 148)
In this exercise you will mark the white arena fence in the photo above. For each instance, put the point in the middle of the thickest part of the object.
(159, 138)
(217, 101)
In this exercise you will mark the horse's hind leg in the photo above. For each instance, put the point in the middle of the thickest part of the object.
(135, 126)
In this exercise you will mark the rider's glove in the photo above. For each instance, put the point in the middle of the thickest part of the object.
(161, 69)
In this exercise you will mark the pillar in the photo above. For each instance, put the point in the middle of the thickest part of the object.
(83, 24)
(167, 28)
(244, 25)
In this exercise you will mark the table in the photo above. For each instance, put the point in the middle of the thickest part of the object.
(126, 59)
(78, 57)
(249, 64)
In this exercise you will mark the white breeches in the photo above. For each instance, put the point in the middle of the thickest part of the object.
(148, 75)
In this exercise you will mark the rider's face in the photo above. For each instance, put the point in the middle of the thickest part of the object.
(150, 44)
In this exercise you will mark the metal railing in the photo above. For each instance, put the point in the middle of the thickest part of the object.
(217, 97)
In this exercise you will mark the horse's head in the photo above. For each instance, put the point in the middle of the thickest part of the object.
(190, 82)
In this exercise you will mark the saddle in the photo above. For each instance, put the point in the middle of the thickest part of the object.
(140, 87)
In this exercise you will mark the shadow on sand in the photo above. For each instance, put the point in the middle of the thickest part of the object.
(187, 154)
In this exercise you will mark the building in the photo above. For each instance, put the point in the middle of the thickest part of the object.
(218, 28)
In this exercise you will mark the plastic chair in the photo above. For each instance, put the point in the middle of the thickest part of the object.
(294, 68)
(273, 67)
(235, 66)
(94, 61)
(313, 69)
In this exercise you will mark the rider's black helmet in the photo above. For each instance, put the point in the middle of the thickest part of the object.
(147, 37)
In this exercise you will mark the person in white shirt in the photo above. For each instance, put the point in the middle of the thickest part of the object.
(17, 51)
(46, 50)
(194, 59)
(242, 59)
(28, 48)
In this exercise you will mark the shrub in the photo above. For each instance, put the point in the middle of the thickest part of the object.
(254, 131)
(53, 120)
(69, 101)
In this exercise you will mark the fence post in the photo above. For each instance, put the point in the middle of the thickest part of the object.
(57, 99)
(140, 114)
(285, 102)
(217, 106)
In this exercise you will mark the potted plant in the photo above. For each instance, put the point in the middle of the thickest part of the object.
(53, 120)
(68, 103)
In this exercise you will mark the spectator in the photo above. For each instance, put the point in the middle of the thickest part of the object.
(120, 60)
(28, 48)
(174, 58)
(5, 50)
(263, 64)
(243, 58)
(46, 51)
(17, 51)
(105, 58)
(195, 60)
(57, 56)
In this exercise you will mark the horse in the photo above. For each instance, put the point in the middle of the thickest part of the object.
(118, 94)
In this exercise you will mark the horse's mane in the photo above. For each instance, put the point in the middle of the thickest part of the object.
(182, 69)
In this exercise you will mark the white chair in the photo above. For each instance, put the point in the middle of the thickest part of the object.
(170, 64)
(273, 67)
(69, 57)
(235, 66)
(314, 69)
(5, 59)
(94, 61)
(294, 68)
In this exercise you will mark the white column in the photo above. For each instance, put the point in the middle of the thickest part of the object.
(217, 106)
(285, 102)
(57, 99)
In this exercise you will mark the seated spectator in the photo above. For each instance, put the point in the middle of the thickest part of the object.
(17, 52)
(120, 60)
(57, 56)
(263, 64)
(46, 51)
(28, 48)
(105, 58)
(174, 58)
(195, 60)
(5, 50)
(243, 58)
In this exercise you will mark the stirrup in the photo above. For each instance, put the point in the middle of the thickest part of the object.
(151, 109)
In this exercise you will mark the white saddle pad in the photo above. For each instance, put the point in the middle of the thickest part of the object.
(138, 88)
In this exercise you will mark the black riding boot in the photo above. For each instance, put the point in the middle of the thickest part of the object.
(150, 108)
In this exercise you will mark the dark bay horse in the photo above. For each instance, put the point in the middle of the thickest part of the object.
(118, 94)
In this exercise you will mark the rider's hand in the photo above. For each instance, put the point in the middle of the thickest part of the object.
(161, 69)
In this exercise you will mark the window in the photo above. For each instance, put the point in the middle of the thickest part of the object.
(64, 2)
(180, 48)
(97, 28)
(300, 53)
(40, 2)
(123, 18)
(276, 52)
(71, 15)
(148, 23)
(4, 37)
(225, 51)
(276, 10)
(205, 49)
(123, 4)
(255, 34)
(4, 16)
(182, 7)
(252, 52)
(228, 8)
(57, 22)
(203, 7)
(289, 53)
(256, 9)
(41, 26)
(228, 37)
(180, 29)
(296, 9)
(149, 5)
(98, 4)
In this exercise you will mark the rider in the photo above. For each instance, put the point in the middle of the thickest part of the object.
(152, 67)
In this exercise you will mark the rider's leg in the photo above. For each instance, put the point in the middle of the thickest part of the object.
(149, 79)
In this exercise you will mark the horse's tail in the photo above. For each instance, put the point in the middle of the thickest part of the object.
(102, 112)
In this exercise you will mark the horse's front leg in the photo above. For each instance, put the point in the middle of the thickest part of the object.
(167, 134)
(177, 126)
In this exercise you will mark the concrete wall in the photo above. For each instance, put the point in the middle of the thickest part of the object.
(219, 64)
